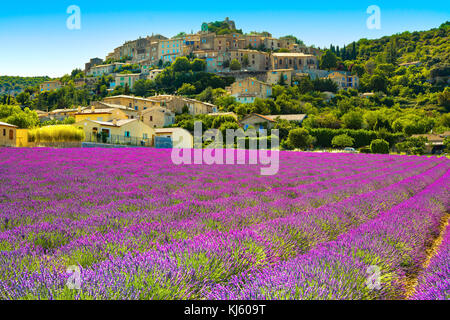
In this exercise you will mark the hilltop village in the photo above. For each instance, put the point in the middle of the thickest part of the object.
(150, 91)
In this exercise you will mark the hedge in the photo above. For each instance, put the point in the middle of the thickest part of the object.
(59, 133)
(324, 136)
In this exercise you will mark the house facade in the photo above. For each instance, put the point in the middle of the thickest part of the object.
(248, 89)
(273, 77)
(129, 131)
(8, 133)
(125, 79)
(104, 69)
(50, 86)
(293, 60)
(157, 117)
(344, 80)
(257, 121)
(100, 114)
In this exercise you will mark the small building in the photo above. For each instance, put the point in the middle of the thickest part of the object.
(152, 74)
(50, 85)
(274, 77)
(246, 90)
(61, 114)
(131, 113)
(157, 117)
(293, 60)
(107, 114)
(137, 103)
(181, 138)
(198, 107)
(435, 142)
(105, 69)
(257, 121)
(127, 131)
(125, 79)
(7, 134)
(344, 80)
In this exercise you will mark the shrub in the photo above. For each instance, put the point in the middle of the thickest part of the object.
(300, 138)
(342, 141)
(365, 149)
(379, 146)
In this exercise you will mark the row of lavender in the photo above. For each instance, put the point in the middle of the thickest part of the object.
(434, 282)
(142, 228)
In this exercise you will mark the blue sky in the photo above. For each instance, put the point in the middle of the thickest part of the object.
(35, 40)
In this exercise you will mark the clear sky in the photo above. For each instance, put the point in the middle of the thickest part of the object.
(34, 38)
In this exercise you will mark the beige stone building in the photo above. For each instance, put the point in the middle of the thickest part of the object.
(104, 69)
(344, 80)
(246, 90)
(199, 107)
(170, 49)
(152, 74)
(257, 121)
(137, 103)
(273, 77)
(131, 113)
(125, 79)
(271, 43)
(97, 114)
(157, 117)
(50, 85)
(293, 60)
(129, 131)
(7, 134)
(257, 60)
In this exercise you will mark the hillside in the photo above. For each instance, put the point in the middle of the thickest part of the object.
(19, 83)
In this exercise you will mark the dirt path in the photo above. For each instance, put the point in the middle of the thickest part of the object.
(411, 283)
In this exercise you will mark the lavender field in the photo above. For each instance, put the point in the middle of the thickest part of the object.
(139, 227)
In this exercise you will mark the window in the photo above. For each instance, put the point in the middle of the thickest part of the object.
(4, 132)
(127, 134)
(145, 136)
(151, 118)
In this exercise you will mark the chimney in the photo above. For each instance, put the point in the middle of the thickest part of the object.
(92, 108)
(115, 122)
(79, 109)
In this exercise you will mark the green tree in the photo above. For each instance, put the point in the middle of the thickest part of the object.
(352, 120)
(198, 65)
(187, 89)
(328, 60)
(305, 85)
(23, 98)
(379, 146)
(378, 83)
(300, 138)
(181, 64)
(235, 65)
(342, 141)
